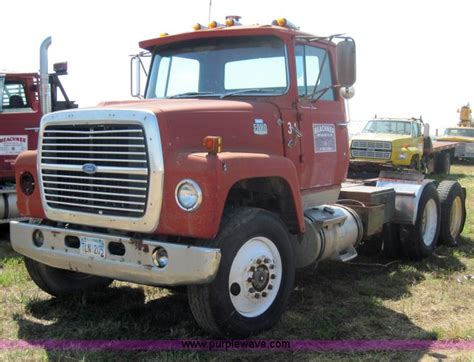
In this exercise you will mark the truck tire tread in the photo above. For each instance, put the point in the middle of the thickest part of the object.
(448, 190)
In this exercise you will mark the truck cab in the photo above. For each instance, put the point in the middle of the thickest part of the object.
(20, 115)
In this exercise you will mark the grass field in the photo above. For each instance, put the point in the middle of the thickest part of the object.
(428, 300)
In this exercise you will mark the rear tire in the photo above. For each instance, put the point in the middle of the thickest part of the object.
(443, 163)
(419, 241)
(453, 211)
(255, 276)
(60, 282)
(391, 246)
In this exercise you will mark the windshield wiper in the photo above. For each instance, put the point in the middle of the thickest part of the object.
(250, 90)
(191, 94)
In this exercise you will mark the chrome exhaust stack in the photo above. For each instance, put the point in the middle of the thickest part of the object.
(45, 90)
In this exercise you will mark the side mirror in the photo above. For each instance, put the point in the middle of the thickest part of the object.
(426, 130)
(346, 62)
(135, 76)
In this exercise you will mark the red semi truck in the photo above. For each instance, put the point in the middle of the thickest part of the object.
(25, 98)
(227, 177)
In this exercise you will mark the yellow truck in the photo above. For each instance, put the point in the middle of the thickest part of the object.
(463, 134)
(400, 143)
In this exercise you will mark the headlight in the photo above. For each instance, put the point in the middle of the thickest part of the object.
(188, 195)
(402, 156)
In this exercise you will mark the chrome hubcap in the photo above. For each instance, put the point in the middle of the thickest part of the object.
(255, 277)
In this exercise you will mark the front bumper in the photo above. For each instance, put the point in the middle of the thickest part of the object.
(187, 264)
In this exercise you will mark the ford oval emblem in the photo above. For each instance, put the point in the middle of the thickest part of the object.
(89, 168)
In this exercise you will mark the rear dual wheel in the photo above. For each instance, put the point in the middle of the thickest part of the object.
(420, 240)
(443, 163)
(453, 211)
(255, 276)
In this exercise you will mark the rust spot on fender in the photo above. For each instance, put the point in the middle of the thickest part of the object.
(139, 245)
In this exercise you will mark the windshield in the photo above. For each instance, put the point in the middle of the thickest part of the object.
(219, 67)
(388, 126)
(463, 132)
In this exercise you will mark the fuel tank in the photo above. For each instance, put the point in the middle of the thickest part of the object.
(332, 231)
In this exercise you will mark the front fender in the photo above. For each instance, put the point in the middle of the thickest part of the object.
(216, 174)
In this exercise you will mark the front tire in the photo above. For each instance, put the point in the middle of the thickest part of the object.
(419, 241)
(415, 163)
(60, 282)
(255, 276)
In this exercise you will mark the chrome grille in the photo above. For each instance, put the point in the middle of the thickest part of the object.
(371, 154)
(119, 185)
(378, 145)
(371, 149)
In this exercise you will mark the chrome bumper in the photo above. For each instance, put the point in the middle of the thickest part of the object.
(187, 264)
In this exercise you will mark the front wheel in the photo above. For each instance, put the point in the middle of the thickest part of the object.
(59, 282)
(255, 276)
(415, 163)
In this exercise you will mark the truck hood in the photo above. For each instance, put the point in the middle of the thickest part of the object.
(185, 122)
(379, 137)
(456, 139)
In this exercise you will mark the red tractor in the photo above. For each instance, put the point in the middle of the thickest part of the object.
(227, 176)
(25, 98)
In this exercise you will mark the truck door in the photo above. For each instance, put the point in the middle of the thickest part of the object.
(19, 119)
(322, 123)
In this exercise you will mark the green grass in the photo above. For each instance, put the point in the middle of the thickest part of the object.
(426, 300)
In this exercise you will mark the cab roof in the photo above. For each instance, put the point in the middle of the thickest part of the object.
(236, 30)
(16, 74)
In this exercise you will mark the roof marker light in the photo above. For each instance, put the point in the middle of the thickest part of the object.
(231, 20)
(163, 35)
(198, 26)
(213, 24)
(283, 22)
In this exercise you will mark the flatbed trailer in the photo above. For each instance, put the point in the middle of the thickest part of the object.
(438, 157)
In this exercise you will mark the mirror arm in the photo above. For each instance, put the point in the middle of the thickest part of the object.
(322, 92)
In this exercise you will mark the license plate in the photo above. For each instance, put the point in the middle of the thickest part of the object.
(92, 246)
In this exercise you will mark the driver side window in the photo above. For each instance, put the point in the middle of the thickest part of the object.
(310, 61)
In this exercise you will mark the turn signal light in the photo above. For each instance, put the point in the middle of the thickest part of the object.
(406, 145)
(213, 144)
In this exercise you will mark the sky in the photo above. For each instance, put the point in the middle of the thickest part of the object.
(414, 57)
